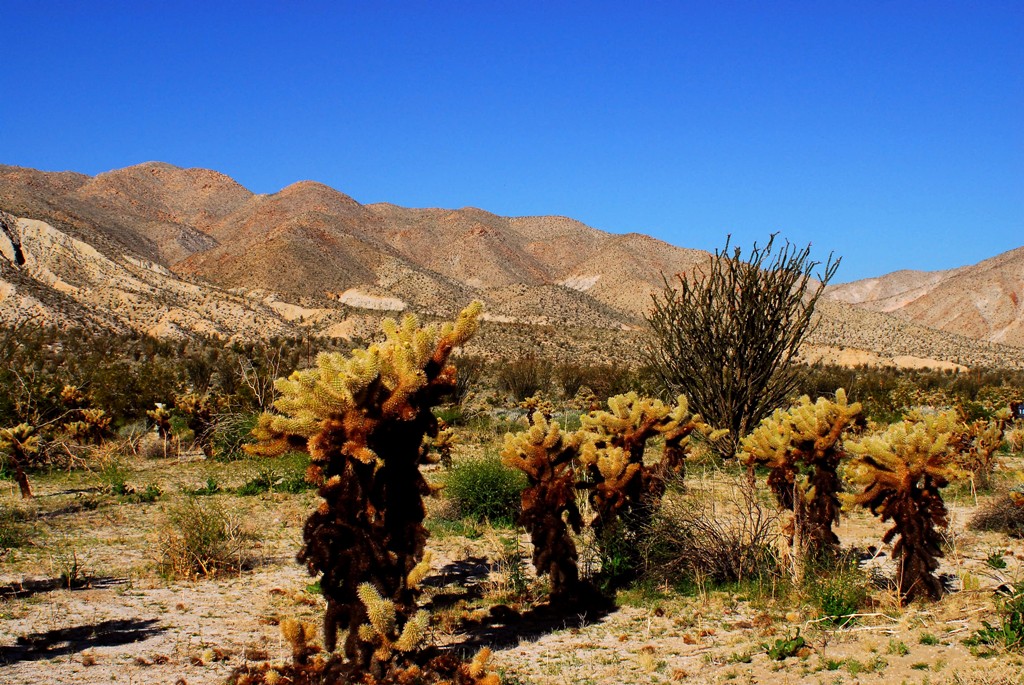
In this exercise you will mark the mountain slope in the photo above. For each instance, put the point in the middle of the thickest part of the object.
(980, 301)
(173, 251)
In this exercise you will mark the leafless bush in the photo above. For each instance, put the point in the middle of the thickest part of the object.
(1004, 514)
(715, 530)
(468, 370)
(525, 377)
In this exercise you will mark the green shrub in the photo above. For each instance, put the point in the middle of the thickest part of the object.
(525, 377)
(485, 489)
(1009, 633)
(212, 487)
(786, 647)
(286, 474)
(838, 590)
(13, 530)
(230, 433)
(271, 480)
(199, 538)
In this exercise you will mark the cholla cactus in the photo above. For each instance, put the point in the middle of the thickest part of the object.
(162, 418)
(299, 635)
(381, 630)
(624, 490)
(975, 445)
(20, 443)
(72, 397)
(802, 447)
(201, 415)
(363, 418)
(536, 403)
(612, 450)
(547, 456)
(901, 473)
(444, 443)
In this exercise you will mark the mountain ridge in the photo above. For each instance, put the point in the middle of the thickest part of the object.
(191, 251)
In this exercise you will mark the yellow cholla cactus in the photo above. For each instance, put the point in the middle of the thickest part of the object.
(338, 383)
(548, 455)
(20, 443)
(802, 447)
(623, 489)
(900, 473)
(381, 630)
(366, 420)
(419, 571)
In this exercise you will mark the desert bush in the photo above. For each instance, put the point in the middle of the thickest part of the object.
(727, 336)
(14, 529)
(525, 377)
(1003, 514)
(200, 538)
(230, 432)
(1008, 634)
(485, 489)
(152, 446)
(838, 588)
(1014, 438)
(712, 532)
(468, 371)
(286, 474)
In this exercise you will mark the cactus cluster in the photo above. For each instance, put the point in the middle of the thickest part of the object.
(612, 450)
(93, 426)
(363, 418)
(200, 412)
(605, 458)
(901, 473)
(975, 444)
(802, 448)
(162, 418)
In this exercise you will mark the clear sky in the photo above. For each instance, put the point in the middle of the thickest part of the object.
(889, 132)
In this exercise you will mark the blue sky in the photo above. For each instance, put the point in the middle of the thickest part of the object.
(891, 133)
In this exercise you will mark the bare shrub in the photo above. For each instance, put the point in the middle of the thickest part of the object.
(715, 530)
(199, 538)
(525, 377)
(468, 371)
(1004, 514)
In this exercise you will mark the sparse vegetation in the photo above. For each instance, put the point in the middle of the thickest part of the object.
(704, 575)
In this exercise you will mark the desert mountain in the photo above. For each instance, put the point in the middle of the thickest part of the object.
(173, 251)
(979, 301)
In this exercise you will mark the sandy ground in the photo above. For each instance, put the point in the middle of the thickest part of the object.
(130, 625)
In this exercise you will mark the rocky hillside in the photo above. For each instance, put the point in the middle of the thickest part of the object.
(173, 251)
(981, 301)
